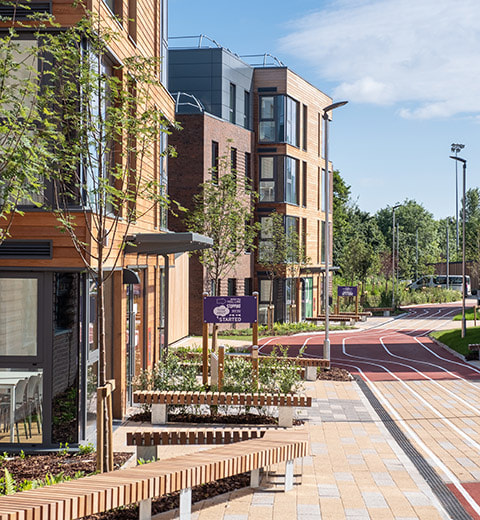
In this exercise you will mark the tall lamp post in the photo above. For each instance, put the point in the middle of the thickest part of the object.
(455, 148)
(326, 343)
(448, 253)
(464, 162)
(393, 254)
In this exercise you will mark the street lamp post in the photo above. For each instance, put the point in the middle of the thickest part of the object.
(464, 162)
(455, 148)
(326, 343)
(448, 254)
(393, 254)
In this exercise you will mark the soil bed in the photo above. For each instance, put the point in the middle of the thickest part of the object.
(335, 374)
(36, 467)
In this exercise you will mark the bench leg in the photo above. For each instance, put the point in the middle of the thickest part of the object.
(285, 416)
(255, 478)
(386, 313)
(289, 475)
(159, 414)
(185, 504)
(146, 452)
(145, 509)
(310, 373)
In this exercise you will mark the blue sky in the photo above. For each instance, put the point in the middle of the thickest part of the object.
(409, 69)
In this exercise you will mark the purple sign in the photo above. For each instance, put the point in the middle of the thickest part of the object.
(346, 290)
(229, 309)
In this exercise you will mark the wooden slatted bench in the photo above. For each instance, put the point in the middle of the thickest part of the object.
(309, 364)
(159, 400)
(386, 310)
(146, 442)
(333, 317)
(102, 492)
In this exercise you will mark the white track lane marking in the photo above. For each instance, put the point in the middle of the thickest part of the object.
(453, 478)
(468, 439)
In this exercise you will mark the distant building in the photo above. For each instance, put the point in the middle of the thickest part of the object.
(273, 119)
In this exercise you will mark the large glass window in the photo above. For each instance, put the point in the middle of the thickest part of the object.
(278, 120)
(233, 103)
(291, 180)
(266, 186)
(246, 109)
(18, 316)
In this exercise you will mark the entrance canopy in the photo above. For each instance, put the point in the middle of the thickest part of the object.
(166, 243)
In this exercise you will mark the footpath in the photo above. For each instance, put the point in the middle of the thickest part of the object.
(356, 470)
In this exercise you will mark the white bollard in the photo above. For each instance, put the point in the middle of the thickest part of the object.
(146, 452)
(310, 373)
(288, 475)
(159, 414)
(145, 509)
(285, 416)
(255, 478)
(185, 504)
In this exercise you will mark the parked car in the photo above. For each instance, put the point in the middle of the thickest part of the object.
(439, 280)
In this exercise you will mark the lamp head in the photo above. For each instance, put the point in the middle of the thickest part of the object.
(455, 158)
(333, 106)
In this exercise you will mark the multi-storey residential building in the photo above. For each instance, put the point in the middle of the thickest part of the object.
(48, 337)
(219, 126)
(216, 89)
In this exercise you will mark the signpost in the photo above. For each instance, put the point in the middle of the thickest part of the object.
(227, 309)
(347, 291)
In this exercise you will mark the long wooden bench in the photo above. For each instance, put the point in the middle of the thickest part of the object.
(333, 317)
(99, 493)
(309, 364)
(385, 310)
(159, 400)
(146, 442)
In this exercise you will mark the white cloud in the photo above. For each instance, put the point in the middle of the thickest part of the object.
(420, 54)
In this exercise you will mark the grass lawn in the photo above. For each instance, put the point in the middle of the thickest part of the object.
(453, 338)
(468, 315)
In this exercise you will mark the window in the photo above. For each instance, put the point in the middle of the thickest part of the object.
(214, 167)
(291, 180)
(246, 109)
(132, 20)
(322, 191)
(318, 241)
(18, 316)
(305, 127)
(304, 236)
(233, 103)
(319, 140)
(278, 120)
(233, 162)
(267, 119)
(291, 135)
(265, 243)
(163, 179)
(248, 167)
(267, 179)
(323, 242)
(248, 286)
(304, 184)
(164, 43)
(232, 287)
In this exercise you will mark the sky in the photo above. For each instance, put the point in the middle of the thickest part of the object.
(410, 70)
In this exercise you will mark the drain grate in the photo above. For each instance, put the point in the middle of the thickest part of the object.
(448, 500)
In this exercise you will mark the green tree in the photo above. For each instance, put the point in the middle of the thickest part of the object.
(413, 220)
(342, 227)
(105, 124)
(24, 151)
(280, 252)
(223, 211)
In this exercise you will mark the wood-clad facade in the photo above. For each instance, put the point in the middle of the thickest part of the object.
(43, 275)
(289, 174)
